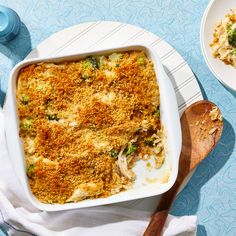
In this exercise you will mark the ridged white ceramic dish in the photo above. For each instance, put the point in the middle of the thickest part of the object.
(141, 188)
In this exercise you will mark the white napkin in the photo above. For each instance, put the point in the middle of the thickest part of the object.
(19, 217)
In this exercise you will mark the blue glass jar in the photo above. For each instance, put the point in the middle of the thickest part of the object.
(9, 24)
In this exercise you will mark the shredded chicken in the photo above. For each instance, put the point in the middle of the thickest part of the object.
(158, 145)
(123, 165)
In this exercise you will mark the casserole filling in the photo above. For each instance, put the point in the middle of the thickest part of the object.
(224, 41)
(85, 124)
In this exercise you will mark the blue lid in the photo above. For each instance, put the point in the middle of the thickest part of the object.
(9, 24)
(4, 22)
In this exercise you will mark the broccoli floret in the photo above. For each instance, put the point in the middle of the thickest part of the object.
(229, 25)
(85, 77)
(232, 37)
(25, 99)
(157, 113)
(26, 124)
(141, 61)
(130, 149)
(87, 63)
(30, 170)
(113, 153)
(52, 117)
(90, 62)
(234, 51)
(94, 62)
(149, 141)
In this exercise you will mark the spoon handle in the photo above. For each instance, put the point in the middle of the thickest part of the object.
(159, 217)
(157, 224)
(201, 133)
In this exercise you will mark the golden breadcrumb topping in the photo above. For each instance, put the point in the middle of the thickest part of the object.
(85, 123)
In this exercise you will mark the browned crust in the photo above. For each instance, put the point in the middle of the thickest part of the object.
(68, 155)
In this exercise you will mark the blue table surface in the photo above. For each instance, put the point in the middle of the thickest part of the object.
(211, 193)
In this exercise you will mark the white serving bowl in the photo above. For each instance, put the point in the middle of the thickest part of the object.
(215, 11)
(141, 188)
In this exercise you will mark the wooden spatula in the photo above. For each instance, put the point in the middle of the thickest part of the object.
(202, 127)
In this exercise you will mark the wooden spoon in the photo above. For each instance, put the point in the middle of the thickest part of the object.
(202, 126)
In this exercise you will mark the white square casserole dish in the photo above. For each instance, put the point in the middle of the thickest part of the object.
(169, 118)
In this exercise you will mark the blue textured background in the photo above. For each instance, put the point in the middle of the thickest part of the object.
(211, 193)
